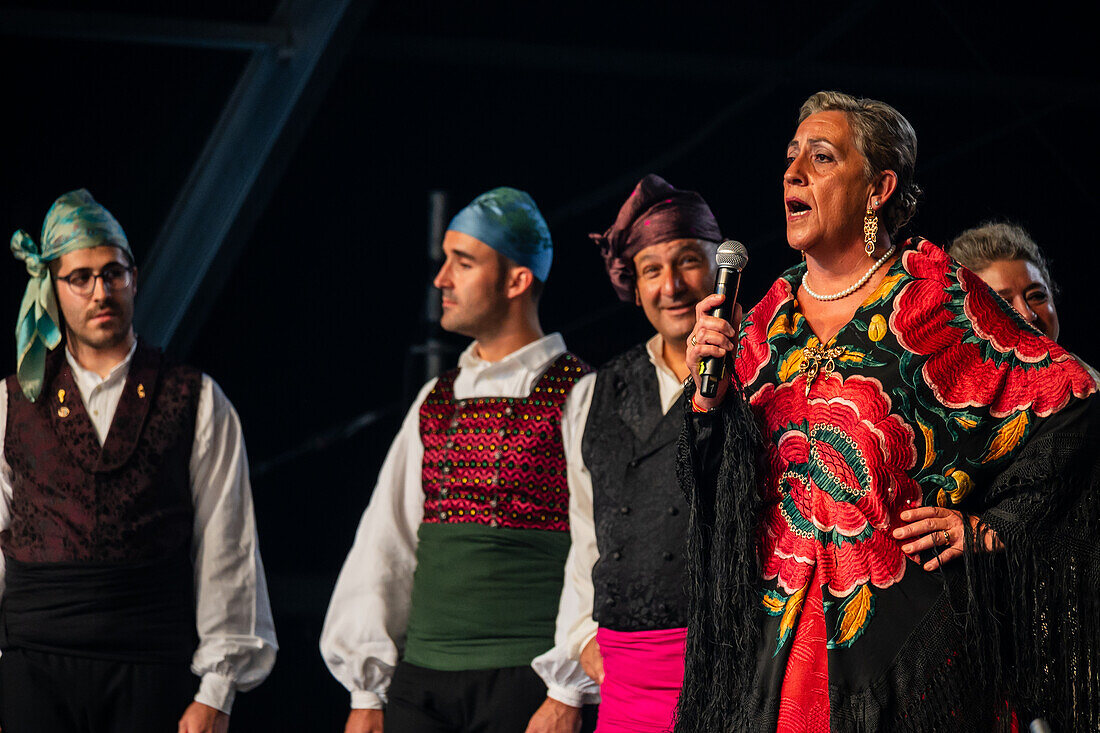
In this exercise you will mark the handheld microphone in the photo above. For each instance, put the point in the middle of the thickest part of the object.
(731, 258)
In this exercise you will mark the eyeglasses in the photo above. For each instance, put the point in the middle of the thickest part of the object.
(82, 281)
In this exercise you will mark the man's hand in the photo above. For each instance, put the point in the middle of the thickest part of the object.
(592, 661)
(364, 721)
(199, 718)
(555, 717)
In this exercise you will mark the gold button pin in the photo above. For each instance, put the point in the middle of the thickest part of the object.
(141, 391)
(63, 411)
(60, 395)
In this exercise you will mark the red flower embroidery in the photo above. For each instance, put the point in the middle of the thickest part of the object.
(980, 355)
(754, 351)
(838, 466)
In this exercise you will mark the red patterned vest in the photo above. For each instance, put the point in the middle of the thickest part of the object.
(127, 500)
(498, 460)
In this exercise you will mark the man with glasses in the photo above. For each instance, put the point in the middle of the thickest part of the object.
(130, 561)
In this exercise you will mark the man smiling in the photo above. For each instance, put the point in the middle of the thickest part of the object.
(451, 586)
(624, 609)
(125, 510)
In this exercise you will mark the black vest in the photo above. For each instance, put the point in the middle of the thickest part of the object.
(641, 516)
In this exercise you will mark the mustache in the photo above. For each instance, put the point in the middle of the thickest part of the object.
(103, 310)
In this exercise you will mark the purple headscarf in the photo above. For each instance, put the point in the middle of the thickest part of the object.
(655, 213)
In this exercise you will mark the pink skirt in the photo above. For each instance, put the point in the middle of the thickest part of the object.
(643, 672)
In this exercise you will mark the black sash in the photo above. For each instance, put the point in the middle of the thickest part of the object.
(130, 611)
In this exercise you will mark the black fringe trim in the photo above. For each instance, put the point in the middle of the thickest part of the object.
(1033, 611)
(723, 559)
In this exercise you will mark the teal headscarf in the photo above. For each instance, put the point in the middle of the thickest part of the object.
(75, 221)
(508, 220)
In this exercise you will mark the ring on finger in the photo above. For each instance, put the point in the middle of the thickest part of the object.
(694, 342)
(946, 536)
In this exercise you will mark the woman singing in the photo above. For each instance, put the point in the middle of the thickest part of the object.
(894, 499)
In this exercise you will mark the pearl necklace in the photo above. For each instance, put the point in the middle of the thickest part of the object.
(858, 284)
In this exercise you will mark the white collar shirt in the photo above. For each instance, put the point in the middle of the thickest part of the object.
(669, 387)
(513, 376)
(101, 395)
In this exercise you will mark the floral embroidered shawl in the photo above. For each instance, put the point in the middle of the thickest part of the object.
(932, 394)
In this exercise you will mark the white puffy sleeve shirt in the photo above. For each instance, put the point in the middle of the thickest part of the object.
(575, 625)
(364, 629)
(236, 633)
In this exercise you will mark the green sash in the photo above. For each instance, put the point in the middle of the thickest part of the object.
(484, 597)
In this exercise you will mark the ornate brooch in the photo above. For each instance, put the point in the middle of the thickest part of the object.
(811, 365)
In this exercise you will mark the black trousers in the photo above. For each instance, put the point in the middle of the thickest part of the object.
(478, 701)
(55, 693)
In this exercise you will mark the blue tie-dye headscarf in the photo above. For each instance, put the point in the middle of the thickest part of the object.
(508, 220)
(75, 221)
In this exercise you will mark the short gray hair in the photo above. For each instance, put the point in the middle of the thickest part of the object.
(887, 142)
(993, 241)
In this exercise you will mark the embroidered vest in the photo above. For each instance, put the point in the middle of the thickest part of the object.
(127, 500)
(487, 581)
(498, 460)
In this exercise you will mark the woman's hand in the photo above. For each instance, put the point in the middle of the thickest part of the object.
(710, 337)
(936, 527)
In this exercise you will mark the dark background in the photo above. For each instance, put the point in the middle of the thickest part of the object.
(570, 101)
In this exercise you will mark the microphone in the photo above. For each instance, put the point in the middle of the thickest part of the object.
(731, 258)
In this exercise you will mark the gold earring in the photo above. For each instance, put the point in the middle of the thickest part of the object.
(870, 232)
